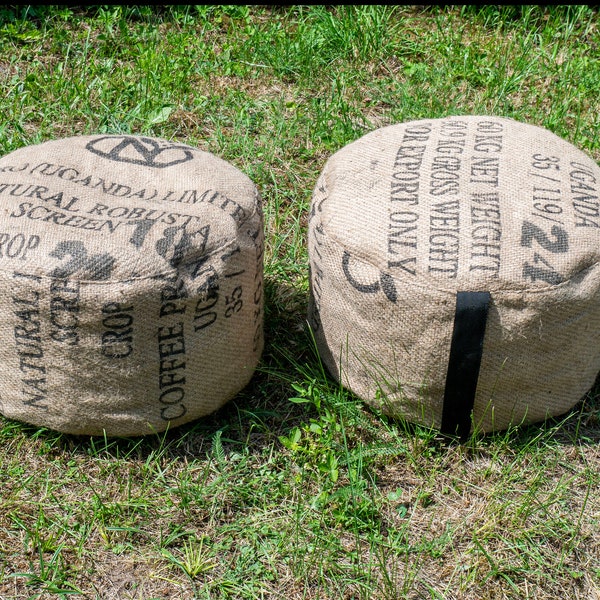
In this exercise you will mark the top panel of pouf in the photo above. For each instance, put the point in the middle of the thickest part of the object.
(76, 198)
(463, 203)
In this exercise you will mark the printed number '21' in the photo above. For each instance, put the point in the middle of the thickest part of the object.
(541, 270)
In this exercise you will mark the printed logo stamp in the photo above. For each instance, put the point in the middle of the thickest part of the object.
(139, 151)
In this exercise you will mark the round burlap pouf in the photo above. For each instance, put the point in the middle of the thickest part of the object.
(454, 271)
(130, 284)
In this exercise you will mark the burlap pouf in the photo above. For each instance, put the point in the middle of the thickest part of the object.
(426, 236)
(130, 284)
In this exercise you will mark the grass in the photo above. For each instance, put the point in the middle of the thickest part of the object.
(295, 489)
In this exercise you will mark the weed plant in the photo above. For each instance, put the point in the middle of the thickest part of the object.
(295, 489)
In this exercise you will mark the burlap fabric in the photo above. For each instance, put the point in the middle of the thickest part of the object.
(130, 284)
(407, 216)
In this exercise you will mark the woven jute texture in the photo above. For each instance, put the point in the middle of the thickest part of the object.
(407, 216)
(130, 284)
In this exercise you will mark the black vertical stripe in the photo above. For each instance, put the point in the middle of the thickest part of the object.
(465, 359)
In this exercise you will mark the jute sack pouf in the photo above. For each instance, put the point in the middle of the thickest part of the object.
(454, 271)
(130, 284)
